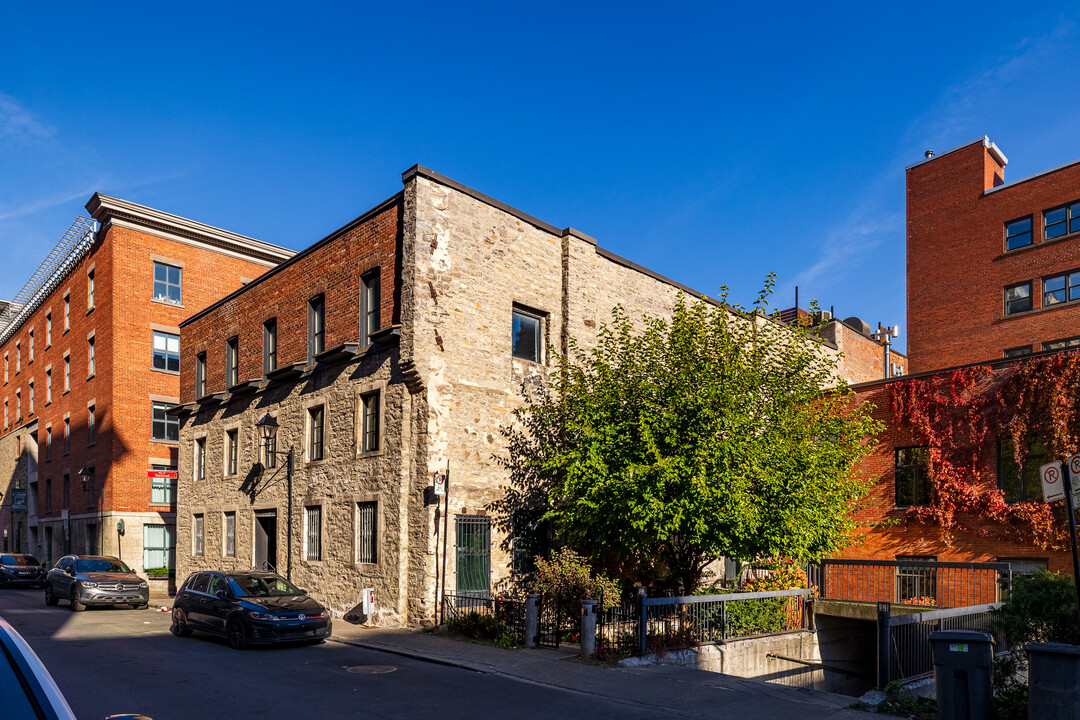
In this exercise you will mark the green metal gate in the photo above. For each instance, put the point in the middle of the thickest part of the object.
(473, 555)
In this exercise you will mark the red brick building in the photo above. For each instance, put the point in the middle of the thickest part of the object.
(993, 268)
(91, 360)
(993, 275)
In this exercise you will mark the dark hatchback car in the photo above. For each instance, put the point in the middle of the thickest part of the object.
(95, 580)
(17, 569)
(248, 607)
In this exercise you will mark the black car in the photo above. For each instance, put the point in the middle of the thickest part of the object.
(248, 607)
(17, 569)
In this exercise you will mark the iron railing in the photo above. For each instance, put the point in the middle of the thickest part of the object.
(904, 640)
(616, 628)
(686, 621)
(914, 582)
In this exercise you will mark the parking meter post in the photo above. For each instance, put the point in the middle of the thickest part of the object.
(1072, 532)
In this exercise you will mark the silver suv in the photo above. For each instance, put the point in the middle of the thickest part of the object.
(95, 580)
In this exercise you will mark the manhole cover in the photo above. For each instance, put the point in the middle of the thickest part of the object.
(371, 669)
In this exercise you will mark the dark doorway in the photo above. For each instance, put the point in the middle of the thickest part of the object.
(266, 540)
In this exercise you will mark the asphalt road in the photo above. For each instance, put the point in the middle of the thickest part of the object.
(110, 661)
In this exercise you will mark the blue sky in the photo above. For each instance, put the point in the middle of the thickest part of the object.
(712, 144)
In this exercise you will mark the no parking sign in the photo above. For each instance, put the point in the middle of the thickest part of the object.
(1053, 483)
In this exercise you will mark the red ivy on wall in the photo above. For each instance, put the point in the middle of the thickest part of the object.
(957, 414)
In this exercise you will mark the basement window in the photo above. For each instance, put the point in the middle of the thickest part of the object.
(1063, 344)
(1017, 352)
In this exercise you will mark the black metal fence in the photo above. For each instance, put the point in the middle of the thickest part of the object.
(904, 640)
(617, 628)
(509, 611)
(913, 582)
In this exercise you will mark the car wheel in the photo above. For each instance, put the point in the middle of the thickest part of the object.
(237, 634)
(50, 599)
(76, 605)
(179, 626)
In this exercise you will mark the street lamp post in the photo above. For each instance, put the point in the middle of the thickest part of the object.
(268, 426)
(86, 476)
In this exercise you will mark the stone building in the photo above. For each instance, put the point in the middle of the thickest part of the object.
(393, 349)
(90, 353)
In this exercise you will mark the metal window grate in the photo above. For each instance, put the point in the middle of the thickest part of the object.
(366, 525)
(473, 555)
(313, 533)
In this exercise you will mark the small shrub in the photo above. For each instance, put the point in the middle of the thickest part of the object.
(160, 572)
(1039, 608)
(901, 701)
(478, 626)
(566, 579)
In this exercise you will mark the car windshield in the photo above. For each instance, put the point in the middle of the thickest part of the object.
(101, 565)
(261, 586)
(20, 560)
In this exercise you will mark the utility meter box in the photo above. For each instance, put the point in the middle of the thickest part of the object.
(962, 673)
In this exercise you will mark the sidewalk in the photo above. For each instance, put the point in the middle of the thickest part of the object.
(676, 691)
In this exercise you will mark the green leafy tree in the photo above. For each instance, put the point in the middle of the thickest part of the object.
(719, 432)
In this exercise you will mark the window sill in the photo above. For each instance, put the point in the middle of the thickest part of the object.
(90, 309)
(65, 392)
(166, 303)
(165, 372)
(370, 453)
(316, 463)
(1038, 310)
(369, 567)
(1035, 245)
(91, 444)
(172, 443)
(162, 505)
(89, 377)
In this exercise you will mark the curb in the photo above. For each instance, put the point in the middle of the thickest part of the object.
(412, 655)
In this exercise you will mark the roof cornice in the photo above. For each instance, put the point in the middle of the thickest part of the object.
(109, 210)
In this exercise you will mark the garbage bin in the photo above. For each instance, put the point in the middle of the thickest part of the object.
(1053, 679)
(962, 662)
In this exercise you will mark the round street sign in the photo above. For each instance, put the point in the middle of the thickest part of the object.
(1053, 489)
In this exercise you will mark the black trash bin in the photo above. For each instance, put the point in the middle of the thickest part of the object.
(1053, 681)
(962, 666)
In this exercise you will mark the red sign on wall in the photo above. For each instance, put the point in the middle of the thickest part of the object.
(162, 474)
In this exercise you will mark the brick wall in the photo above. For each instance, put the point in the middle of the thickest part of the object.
(121, 322)
(957, 267)
(886, 533)
(331, 268)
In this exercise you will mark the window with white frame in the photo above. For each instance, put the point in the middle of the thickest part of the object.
(197, 534)
(316, 326)
(166, 351)
(164, 427)
(89, 291)
(90, 357)
(232, 451)
(67, 435)
(367, 518)
(162, 489)
(31, 397)
(67, 373)
(30, 346)
(313, 533)
(232, 361)
(269, 346)
(67, 312)
(48, 442)
(228, 548)
(168, 283)
(48, 386)
(200, 459)
(369, 426)
(315, 433)
(90, 429)
(158, 544)
(369, 306)
(48, 329)
(200, 375)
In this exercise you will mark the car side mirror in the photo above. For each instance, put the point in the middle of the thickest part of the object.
(222, 595)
